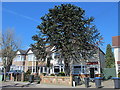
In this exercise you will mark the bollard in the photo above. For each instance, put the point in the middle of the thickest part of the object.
(74, 84)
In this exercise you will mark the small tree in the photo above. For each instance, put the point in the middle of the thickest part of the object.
(110, 60)
(9, 44)
(68, 29)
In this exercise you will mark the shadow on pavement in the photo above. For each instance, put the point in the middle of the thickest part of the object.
(17, 85)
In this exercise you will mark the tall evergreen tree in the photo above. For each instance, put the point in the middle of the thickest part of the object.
(68, 29)
(110, 60)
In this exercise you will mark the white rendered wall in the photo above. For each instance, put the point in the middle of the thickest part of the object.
(117, 58)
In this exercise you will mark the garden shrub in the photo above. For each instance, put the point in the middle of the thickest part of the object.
(44, 74)
(52, 75)
(61, 74)
(119, 74)
(26, 75)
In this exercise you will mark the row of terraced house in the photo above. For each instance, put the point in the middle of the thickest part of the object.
(26, 60)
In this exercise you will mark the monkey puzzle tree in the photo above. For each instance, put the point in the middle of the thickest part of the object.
(68, 29)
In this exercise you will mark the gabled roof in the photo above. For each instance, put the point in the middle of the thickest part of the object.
(34, 51)
(22, 52)
(101, 51)
(29, 50)
(116, 41)
(48, 49)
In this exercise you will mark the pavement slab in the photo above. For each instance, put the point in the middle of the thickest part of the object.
(10, 84)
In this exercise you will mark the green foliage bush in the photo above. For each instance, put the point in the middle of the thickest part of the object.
(52, 75)
(28, 72)
(26, 75)
(119, 74)
(44, 74)
(61, 74)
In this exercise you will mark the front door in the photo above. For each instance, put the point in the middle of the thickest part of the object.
(92, 73)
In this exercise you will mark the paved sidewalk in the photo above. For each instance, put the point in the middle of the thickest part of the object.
(15, 84)
(10, 84)
(105, 84)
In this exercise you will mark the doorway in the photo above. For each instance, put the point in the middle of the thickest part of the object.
(92, 73)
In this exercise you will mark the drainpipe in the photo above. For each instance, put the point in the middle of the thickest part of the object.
(35, 65)
(99, 61)
(32, 65)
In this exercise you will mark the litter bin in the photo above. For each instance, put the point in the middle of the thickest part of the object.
(116, 82)
(86, 82)
(76, 80)
(98, 82)
(31, 78)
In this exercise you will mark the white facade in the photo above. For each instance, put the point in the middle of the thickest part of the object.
(116, 46)
(57, 65)
(117, 59)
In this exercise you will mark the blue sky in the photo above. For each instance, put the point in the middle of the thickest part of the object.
(24, 17)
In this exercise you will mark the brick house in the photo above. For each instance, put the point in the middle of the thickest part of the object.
(37, 66)
(26, 60)
(19, 60)
(30, 62)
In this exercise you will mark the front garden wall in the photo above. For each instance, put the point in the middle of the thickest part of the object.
(59, 80)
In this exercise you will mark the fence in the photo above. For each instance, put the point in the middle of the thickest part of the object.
(14, 77)
(109, 72)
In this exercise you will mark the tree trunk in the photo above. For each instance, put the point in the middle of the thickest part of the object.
(8, 68)
(4, 74)
(67, 70)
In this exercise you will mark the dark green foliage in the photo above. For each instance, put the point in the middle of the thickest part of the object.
(28, 72)
(44, 74)
(110, 60)
(61, 74)
(68, 29)
(52, 75)
(119, 74)
(26, 75)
